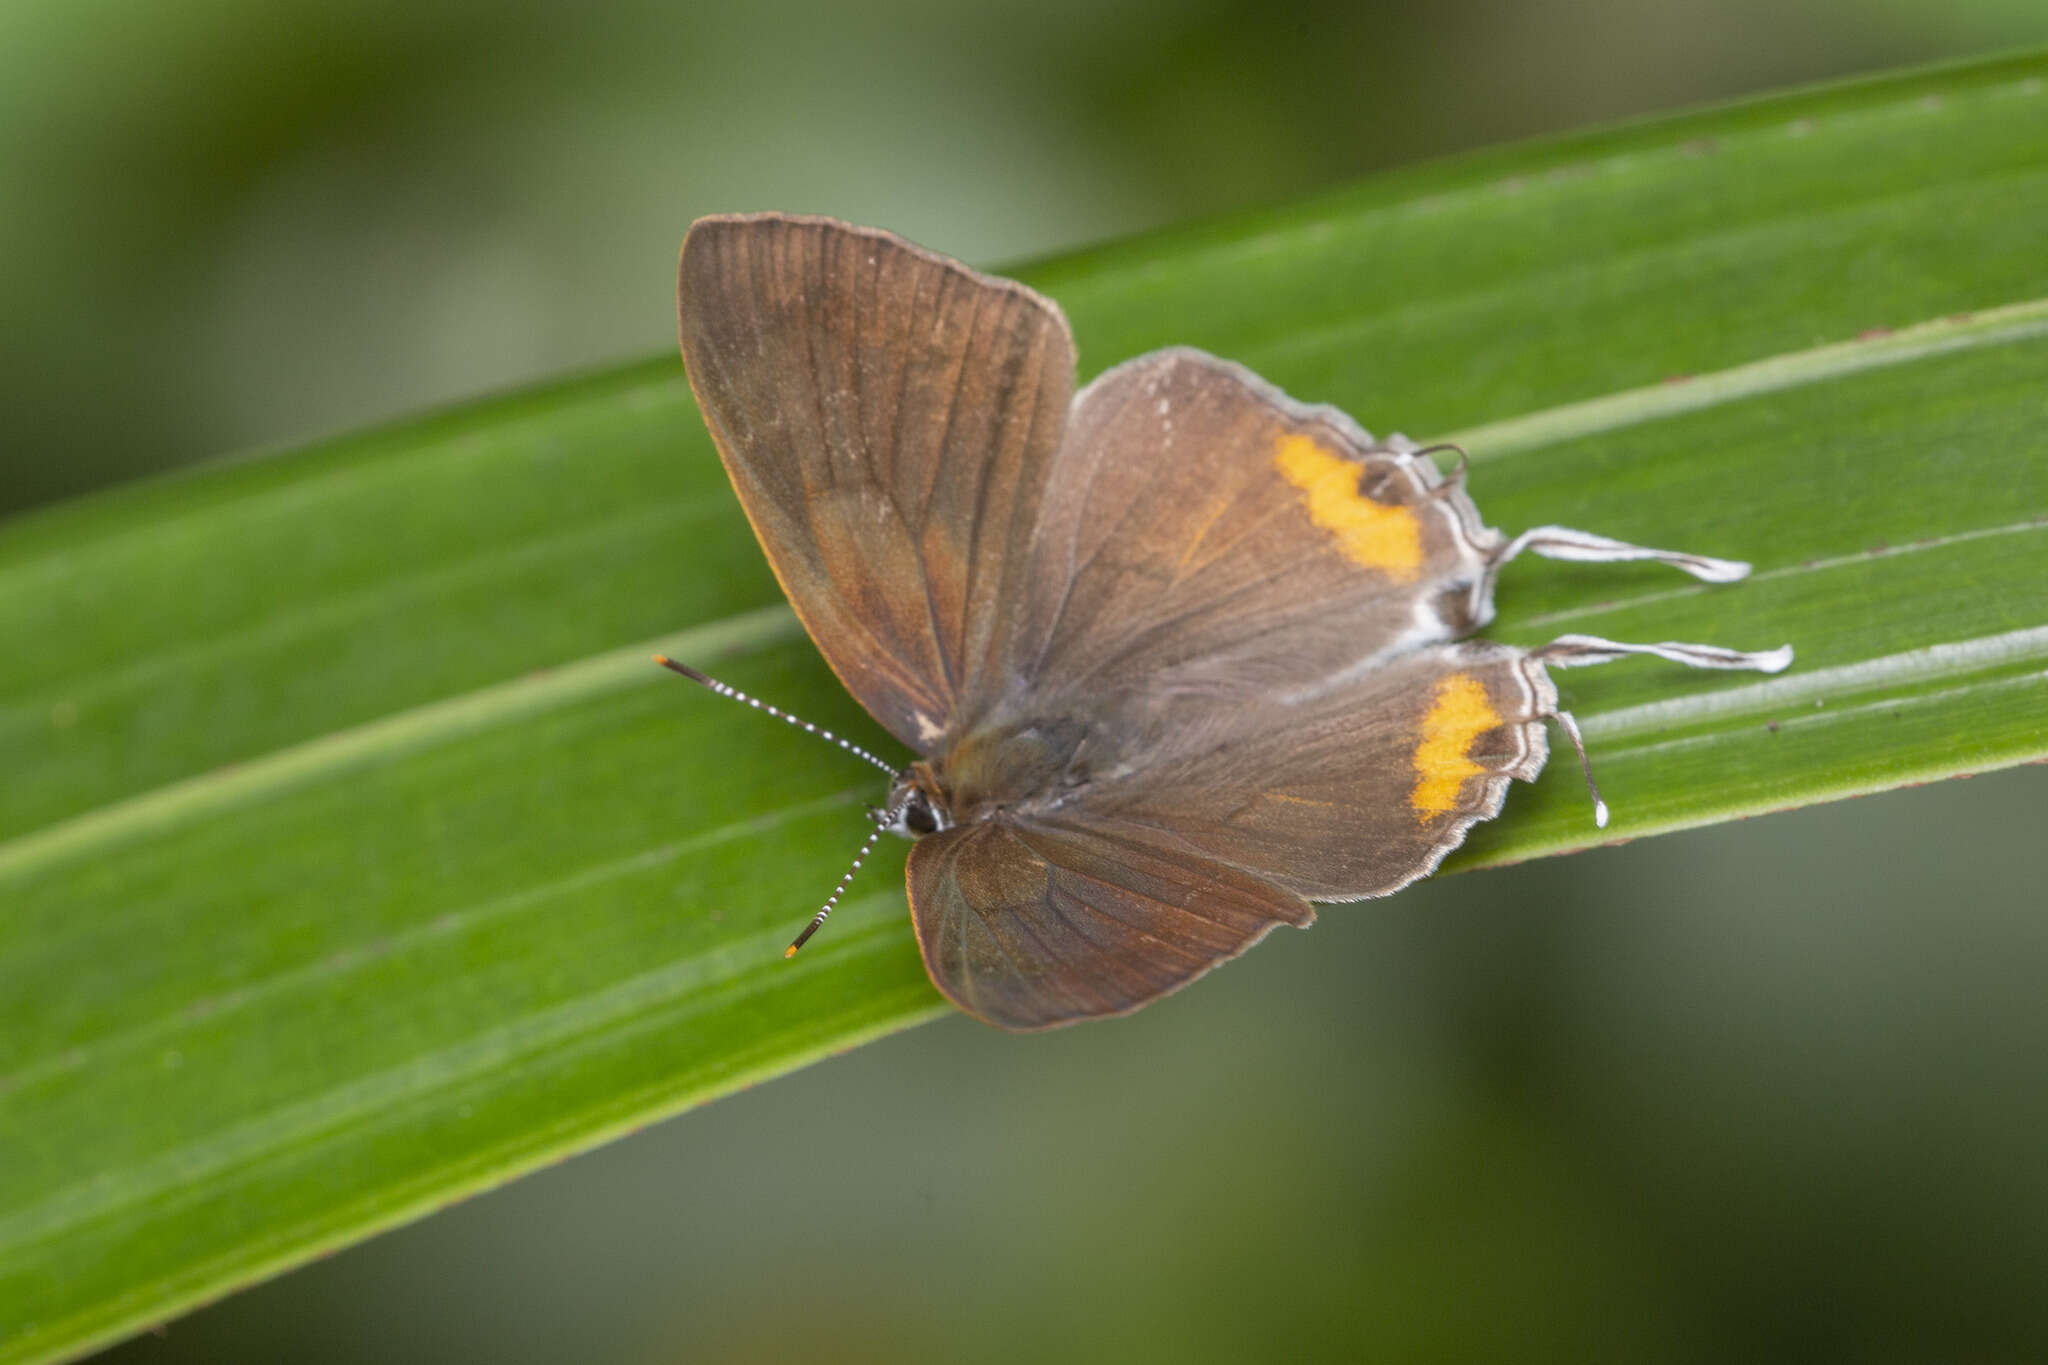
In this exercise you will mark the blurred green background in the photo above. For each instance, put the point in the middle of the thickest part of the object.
(1774, 1090)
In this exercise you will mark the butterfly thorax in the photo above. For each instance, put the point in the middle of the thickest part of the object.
(1020, 767)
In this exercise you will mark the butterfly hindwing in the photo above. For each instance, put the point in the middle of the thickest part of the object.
(1034, 923)
(1131, 887)
(1357, 789)
(888, 418)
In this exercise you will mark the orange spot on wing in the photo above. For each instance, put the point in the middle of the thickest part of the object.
(1368, 533)
(1459, 714)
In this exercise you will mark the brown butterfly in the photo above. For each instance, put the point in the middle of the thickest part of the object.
(1179, 654)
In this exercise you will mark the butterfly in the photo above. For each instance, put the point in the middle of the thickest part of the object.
(1178, 654)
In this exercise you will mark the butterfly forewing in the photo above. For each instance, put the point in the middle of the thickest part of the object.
(1206, 537)
(888, 418)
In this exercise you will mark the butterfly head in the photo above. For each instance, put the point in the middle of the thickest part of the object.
(917, 804)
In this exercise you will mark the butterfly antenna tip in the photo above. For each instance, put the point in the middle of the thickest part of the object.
(734, 694)
(882, 822)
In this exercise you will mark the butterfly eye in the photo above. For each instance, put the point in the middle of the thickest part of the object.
(918, 817)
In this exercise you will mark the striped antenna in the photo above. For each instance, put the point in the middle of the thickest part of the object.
(726, 690)
(882, 822)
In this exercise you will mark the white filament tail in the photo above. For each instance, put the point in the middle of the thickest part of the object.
(1561, 542)
(1573, 651)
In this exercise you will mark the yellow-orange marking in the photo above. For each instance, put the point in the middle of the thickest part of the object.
(1367, 532)
(1459, 714)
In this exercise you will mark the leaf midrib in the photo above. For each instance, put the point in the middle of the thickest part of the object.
(415, 728)
(1996, 326)
(1950, 659)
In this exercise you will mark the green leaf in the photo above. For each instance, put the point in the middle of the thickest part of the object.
(355, 858)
